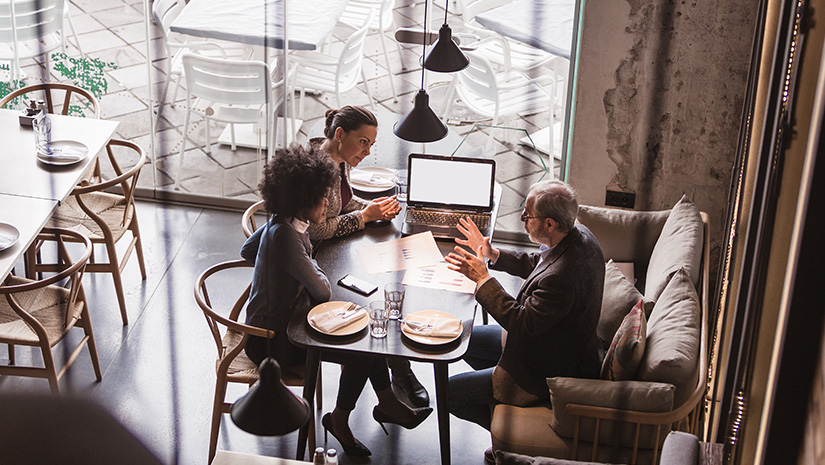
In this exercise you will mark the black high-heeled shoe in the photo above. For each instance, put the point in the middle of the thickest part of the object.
(353, 450)
(421, 414)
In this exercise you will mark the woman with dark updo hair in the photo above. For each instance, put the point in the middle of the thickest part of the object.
(287, 279)
(348, 136)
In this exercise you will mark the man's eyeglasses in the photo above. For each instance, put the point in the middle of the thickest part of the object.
(526, 216)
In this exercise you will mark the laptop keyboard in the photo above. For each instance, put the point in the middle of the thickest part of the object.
(430, 217)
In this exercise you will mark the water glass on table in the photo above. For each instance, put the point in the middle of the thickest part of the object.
(379, 318)
(394, 298)
(42, 126)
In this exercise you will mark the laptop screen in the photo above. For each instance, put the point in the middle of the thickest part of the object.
(441, 181)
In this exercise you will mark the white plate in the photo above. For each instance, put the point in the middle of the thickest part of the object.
(8, 235)
(357, 324)
(429, 340)
(64, 152)
(385, 173)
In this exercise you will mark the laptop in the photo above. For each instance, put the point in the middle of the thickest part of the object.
(442, 189)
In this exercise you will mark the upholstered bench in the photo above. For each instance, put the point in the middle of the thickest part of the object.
(656, 368)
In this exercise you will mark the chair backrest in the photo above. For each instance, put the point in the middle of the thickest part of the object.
(349, 63)
(479, 78)
(32, 19)
(357, 10)
(50, 92)
(220, 323)
(248, 223)
(127, 180)
(227, 81)
(71, 269)
(163, 13)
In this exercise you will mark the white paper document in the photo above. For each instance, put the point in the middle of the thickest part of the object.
(439, 277)
(400, 254)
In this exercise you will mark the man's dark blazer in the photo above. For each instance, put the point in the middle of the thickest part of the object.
(551, 323)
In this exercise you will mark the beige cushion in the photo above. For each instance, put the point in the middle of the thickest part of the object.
(627, 348)
(624, 235)
(626, 395)
(672, 353)
(678, 246)
(618, 299)
(526, 430)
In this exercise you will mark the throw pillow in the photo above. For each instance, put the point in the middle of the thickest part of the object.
(679, 246)
(624, 235)
(618, 299)
(627, 348)
(673, 336)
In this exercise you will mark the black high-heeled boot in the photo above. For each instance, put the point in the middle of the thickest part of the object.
(353, 450)
(404, 379)
(421, 414)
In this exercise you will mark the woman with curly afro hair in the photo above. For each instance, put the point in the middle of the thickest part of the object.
(287, 279)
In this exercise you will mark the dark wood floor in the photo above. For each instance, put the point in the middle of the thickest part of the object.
(158, 371)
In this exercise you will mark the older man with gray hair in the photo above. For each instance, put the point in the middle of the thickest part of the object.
(549, 327)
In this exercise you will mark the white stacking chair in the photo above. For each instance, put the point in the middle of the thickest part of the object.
(499, 94)
(355, 15)
(35, 29)
(501, 51)
(230, 91)
(329, 73)
(164, 13)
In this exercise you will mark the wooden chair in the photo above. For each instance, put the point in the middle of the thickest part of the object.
(41, 313)
(248, 223)
(105, 210)
(233, 365)
(58, 97)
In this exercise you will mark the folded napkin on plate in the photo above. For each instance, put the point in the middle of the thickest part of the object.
(366, 178)
(436, 327)
(331, 321)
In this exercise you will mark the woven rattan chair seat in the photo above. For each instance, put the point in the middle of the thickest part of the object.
(108, 206)
(241, 370)
(48, 305)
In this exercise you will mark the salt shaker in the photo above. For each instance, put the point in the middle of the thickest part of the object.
(319, 458)
(332, 457)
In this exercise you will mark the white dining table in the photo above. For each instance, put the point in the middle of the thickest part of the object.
(544, 24)
(29, 189)
(257, 22)
(22, 174)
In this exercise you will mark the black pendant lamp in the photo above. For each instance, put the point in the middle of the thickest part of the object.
(269, 408)
(446, 57)
(421, 124)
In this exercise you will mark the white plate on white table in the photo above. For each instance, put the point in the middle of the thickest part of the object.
(8, 236)
(63, 152)
(373, 171)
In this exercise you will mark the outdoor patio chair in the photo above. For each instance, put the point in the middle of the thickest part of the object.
(499, 94)
(356, 14)
(234, 92)
(40, 313)
(35, 29)
(164, 12)
(335, 73)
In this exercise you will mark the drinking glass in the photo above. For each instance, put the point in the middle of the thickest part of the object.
(400, 180)
(379, 317)
(394, 298)
(42, 127)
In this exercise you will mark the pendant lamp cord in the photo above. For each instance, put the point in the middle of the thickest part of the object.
(424, 41)
(446, 9)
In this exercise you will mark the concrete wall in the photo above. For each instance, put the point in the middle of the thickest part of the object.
(659, 100)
